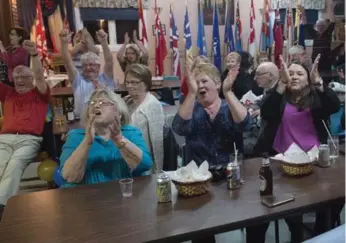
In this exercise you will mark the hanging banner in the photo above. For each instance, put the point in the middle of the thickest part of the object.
(307, 4)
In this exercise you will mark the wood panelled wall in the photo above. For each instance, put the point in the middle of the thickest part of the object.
(5, 21)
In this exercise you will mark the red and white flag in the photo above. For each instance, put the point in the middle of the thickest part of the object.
(252, 36)
(174, 38)
(160, 43)
(278, 39)
(41, 41)
(142, 27)
(288, 31)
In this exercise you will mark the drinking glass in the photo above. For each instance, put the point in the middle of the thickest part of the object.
(126, 187)
(240, 160)
(333, 144)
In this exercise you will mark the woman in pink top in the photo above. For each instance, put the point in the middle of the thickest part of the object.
(15, 54)
(294, 112)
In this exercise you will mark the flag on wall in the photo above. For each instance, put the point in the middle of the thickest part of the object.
(41, 41)
(265, 32)
(229, 39)
(201, 43)
(187, 31)
(278, 39)
(216, 39)
(252, 36)
(160, 41)
(174, 38)
(288, 30)
(142, 27)
(238, 30)
(299, 27)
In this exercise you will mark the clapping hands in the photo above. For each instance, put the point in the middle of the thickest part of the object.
(102, 36)
(231, 77)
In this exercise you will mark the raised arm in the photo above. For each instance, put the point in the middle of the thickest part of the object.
(37, 68)
(141, 47)
(121, 52)
(237, 109)
(107, 54)
(65, 36)
(89, 42)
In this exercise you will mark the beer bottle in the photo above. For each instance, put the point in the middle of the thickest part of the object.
(266, 176)
(69, 111)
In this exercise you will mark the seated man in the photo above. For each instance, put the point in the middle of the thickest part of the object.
(85, 82)
(25, 108)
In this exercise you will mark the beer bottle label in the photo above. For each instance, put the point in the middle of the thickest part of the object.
(263, 184)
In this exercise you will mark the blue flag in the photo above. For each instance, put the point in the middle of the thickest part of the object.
(229, 39)
(187, 31)
(216, 39)
(201, 44)
(238, 30)
(301, 39)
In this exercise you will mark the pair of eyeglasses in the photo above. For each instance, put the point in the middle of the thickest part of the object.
(133, 83)
(22, 77)
(101, 103)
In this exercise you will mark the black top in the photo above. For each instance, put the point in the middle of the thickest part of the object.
(272, 109)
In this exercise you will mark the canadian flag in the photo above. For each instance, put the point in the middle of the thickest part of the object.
(41, 41)
(252, 37)
(142, 29)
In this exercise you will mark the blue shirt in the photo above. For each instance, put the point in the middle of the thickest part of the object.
(82, 89)
(105, 162)
(209, 140)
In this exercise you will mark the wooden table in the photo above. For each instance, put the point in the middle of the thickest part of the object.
(98, 213)
(67, 91)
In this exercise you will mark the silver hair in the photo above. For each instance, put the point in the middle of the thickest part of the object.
(119, 103)
(21, 68)
(90, 56)
(296, 50)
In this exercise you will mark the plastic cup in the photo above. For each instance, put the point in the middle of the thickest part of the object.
(126, 187)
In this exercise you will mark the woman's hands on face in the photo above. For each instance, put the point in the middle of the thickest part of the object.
(115, 127)
(315, 74)
(231, 77)
(90, 130)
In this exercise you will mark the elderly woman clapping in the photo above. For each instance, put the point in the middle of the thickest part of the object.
(107, 148)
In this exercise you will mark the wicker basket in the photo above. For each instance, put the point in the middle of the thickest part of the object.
(297, 169)
(193, 188)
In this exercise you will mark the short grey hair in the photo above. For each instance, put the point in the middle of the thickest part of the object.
(89, 56)
(296, 50)
(119, 103)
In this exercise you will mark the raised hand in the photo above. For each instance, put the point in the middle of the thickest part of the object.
(126, 38)
(115, 127)
(30, 47)
(102, 36)
(191, 80)
(284, 74)
(134, 36)
(65, 36)
(90, 130)
(315, 74)
(231, 77)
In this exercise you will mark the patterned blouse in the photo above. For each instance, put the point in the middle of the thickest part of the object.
(209, 140)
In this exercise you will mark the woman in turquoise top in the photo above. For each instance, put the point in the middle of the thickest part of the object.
(107, 148)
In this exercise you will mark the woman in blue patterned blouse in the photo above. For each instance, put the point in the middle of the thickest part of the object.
(207, 121)
(108, 148)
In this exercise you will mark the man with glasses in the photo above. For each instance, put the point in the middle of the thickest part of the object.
(25, 108)
(90, 78)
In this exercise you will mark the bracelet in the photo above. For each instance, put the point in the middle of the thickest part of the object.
(34, 55)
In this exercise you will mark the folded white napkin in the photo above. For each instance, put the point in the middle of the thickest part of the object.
(191, 173)
(250, 98)
(295, 155)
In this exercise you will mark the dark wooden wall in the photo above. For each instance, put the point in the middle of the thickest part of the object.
(5, 21)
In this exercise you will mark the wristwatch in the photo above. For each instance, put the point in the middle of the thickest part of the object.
(122, 143)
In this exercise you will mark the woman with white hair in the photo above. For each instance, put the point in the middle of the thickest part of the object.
(107, 148)
(132, 53)
(146, 111)
(90, 78)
